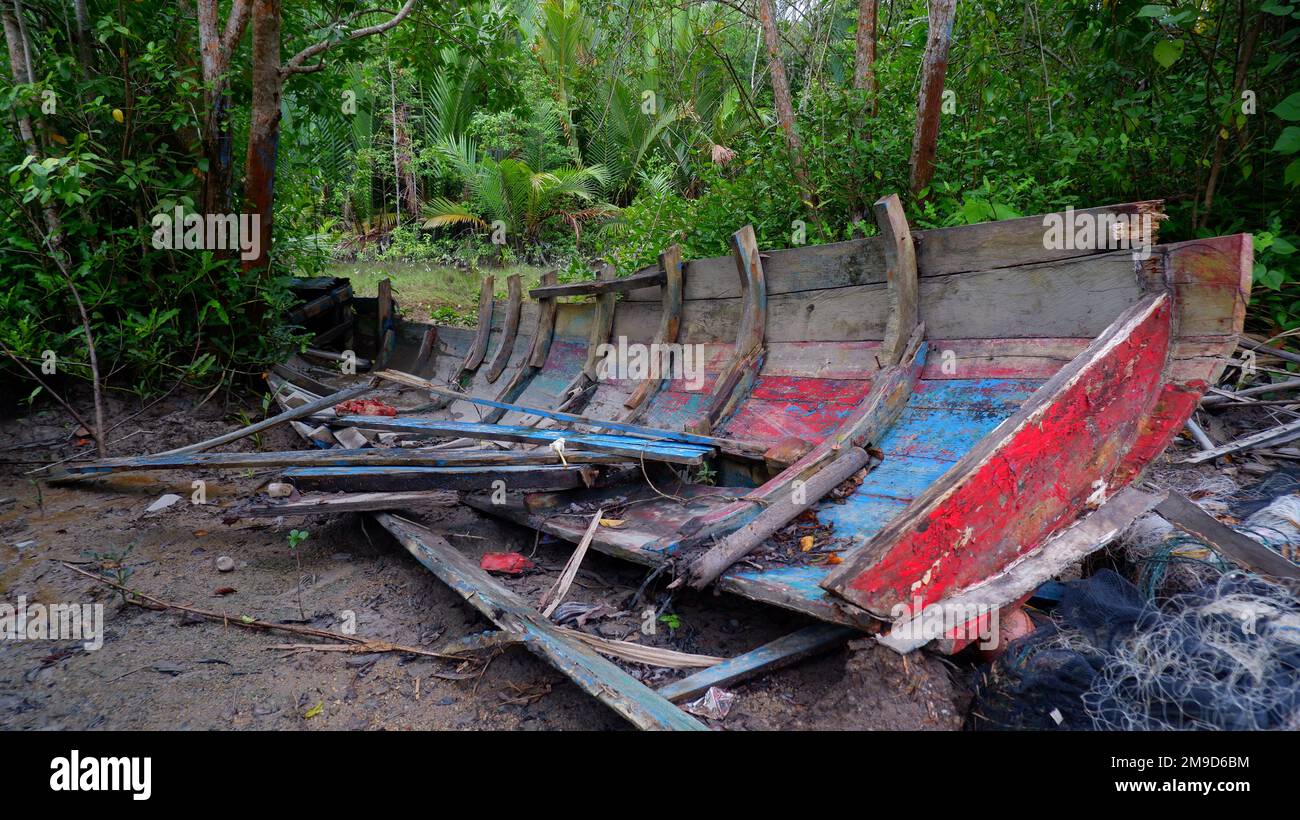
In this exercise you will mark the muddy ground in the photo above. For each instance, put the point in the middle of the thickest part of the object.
(169, 670)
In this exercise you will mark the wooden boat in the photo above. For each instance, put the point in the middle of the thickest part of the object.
(1008, 384)
(1002, 385)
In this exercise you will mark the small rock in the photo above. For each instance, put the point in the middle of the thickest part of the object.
(225, 563)
(163, 502)
(279, 489)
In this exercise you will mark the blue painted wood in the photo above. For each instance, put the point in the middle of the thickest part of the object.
(381, 479)
(769, 656)
(595, 675)
(671, 451)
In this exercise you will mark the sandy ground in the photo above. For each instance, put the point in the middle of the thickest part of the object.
(169, 670)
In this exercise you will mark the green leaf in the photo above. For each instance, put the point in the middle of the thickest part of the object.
(1167, 52)
(1283, 247)
(1289, 141)
(315, 710)
(1152, 11)
(1289, 109)
(1291, 176)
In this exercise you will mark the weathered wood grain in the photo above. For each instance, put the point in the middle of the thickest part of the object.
(901, 276)
(514, 299)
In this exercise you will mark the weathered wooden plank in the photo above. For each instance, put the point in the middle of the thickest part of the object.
(670, 264)
(1273, 435)
(738, 374)
(478, 349)
(366, 457)
(1031, 476)
(1056, 555)
(649, 277)
(536, 357)
(766, 658)
(390, 479)
(425, 352)
(940, 252)
(783, 509)
(579, 391)
(629, 446)
(301, 411)
(513, 304)
(741, 449)
(1241, 550)
(901, 276)
(594, 674)
(313, 504)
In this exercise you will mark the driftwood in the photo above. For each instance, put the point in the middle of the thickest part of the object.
(352, 502)
(556, 593)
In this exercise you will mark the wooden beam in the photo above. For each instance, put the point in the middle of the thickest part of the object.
(593, 674)
(901, 276)
(514, 304)
(641, 279)
(738, 375)
(579, 392)
(312, 504)
(1037, 472)
(427, 341)
(779, 512)
(740, 449)
(633, 447)
(301, 411)
(466, 479)
(478, 348)
(766, 658)
(536, 358)
(366, 457)
(1273, 435)
(670, 320)
(1238, 548)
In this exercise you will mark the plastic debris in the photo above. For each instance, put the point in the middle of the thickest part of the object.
(163, 502)
(365, 407)
(509, 563)
(713, 704)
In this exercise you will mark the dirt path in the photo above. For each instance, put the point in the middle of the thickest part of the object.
(168, 671)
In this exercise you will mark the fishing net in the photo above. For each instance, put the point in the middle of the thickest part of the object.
(1226, 656)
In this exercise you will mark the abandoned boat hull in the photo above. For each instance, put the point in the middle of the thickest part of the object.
(1051, 376)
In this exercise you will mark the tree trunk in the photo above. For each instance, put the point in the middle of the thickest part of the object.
(781, 96)
(930, 100)
(1245, 53)
(263, 128)
(864, 52)
(84, 53)
(215, 48)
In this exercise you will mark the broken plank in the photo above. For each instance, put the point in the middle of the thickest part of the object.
(593, 674)
(388, 479)
(311, 504)
(514, 303)
(368, 457)
(742, 449)
(1274, 435)
(301, 411)
(1240, 549)
(766, 658)
(667, 451)
(644, 279)
(779, 512)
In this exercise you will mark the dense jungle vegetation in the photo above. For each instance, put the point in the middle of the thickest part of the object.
(571, 131)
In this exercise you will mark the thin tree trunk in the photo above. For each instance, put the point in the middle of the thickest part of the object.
(864, 52)
(1244, 56)
(264, 127)
(215, 47)
(929, 102)
(84, 53)
(781, 96)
